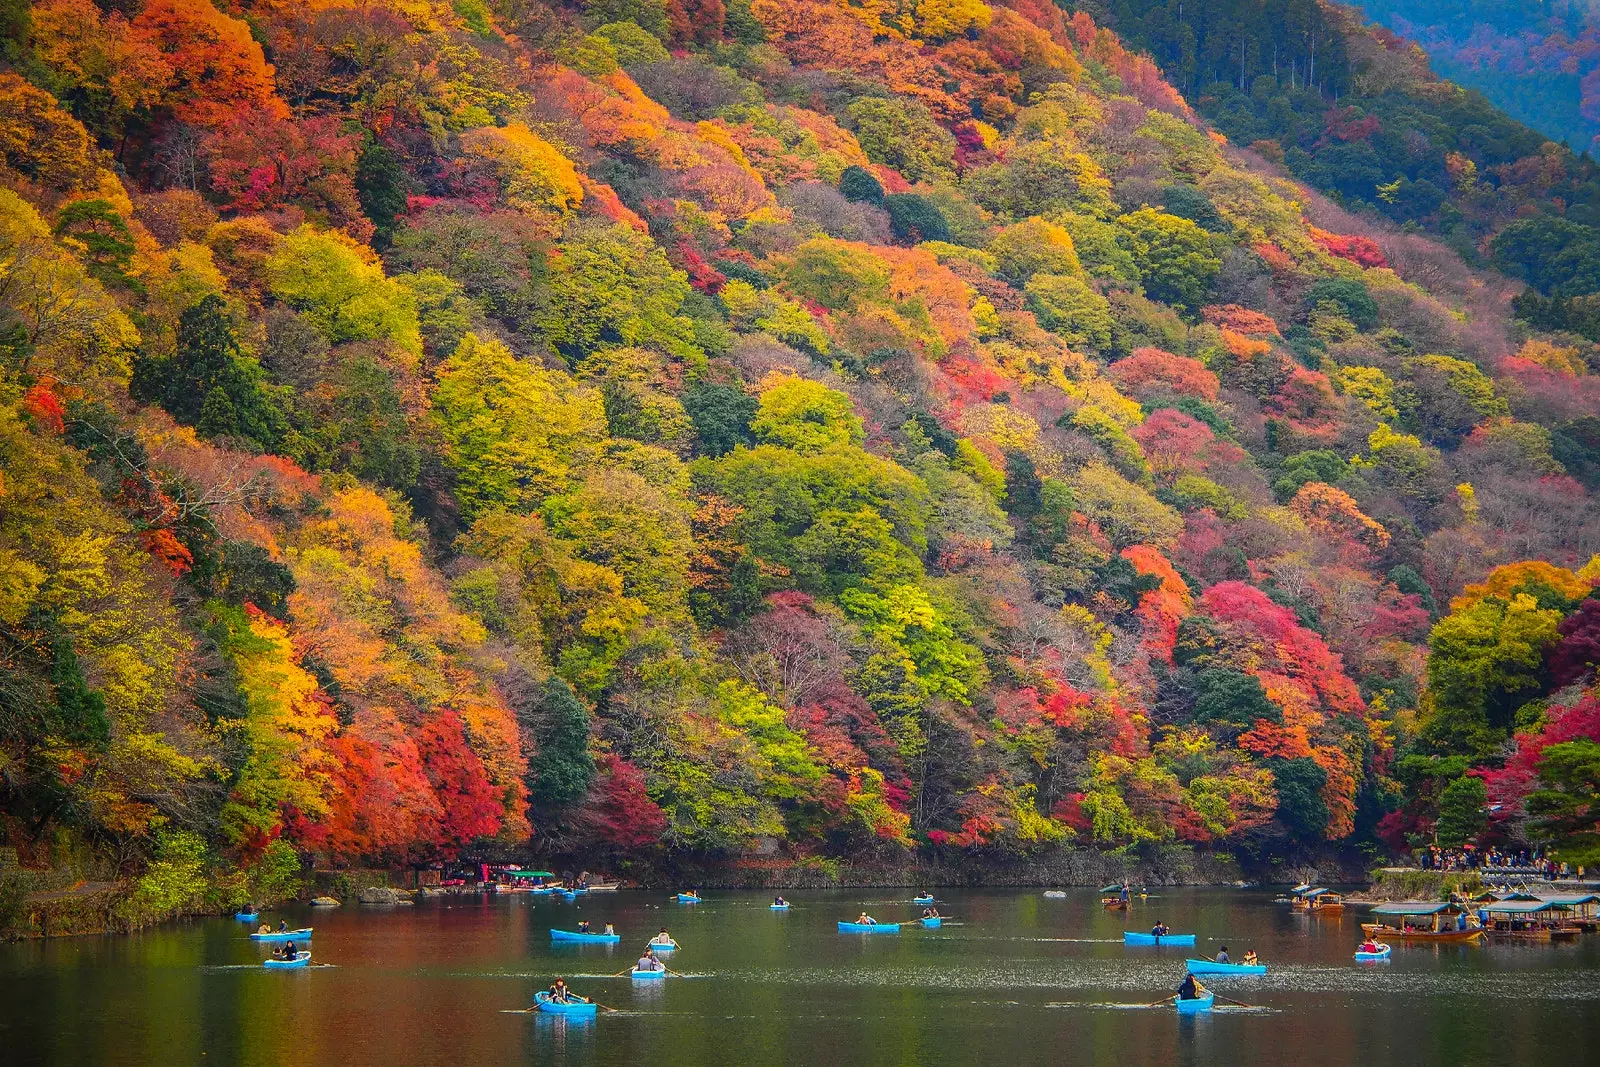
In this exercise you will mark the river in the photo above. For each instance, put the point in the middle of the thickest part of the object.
(1019, 979)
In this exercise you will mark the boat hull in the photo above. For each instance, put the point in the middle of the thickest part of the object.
(1197, 1006)
(571, 1009)
(1371, 957)
(932, 924)
(684, 898)
(922, 900)
(590, 939)
(778, 907)
(647, 976)
(1213, 967)
(662, 948)
(1447, 937)
(301, 959)
(246, 916)
(1131, 938)
(284, 935)
(869, 928)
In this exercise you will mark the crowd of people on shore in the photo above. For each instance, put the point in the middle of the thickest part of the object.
(1495, 861)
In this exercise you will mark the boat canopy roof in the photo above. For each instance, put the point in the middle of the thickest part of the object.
(1301, 888)
(1571, 898)
(1413, 907)
(1114, 887)
(1522, 907)
(1316, 892)
(531, 874)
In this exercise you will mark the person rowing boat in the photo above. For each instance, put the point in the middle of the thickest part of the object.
(1190, 989)
(931, 913)
(562, 995)
(866, 920)
(663, 940)
(648, 962)
(1160, 929)
(1222, 955)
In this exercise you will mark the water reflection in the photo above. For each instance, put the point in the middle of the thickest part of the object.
(1018, 979)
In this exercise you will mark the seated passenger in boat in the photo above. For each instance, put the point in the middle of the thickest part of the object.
(1250, 957)
(1222, 955)
(1160, 929)
(779, 902)
(866, 920)
(610, 930)
(1190, 989)
(583, 926)
(1369, 945)
(648, 962)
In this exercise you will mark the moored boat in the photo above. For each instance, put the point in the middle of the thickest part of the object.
(582, 1009)
(1213, 967)
(1131, 938)
(284, 935)
(301, 959)
(869, 928)
(1447, 923)
(593, 939)
(1195, 1005)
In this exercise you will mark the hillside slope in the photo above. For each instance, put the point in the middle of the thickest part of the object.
(839, 429)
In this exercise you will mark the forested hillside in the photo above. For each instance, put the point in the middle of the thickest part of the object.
(1537, 60)
(1356, 112)
(638, 429)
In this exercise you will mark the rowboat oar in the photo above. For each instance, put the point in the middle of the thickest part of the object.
(1162, 1001)
(1229, 1000)
(619, 974)
(672, 972)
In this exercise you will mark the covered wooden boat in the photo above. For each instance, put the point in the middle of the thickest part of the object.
(581, 1009)
(869, 928)
(1446, 923)
(301, 959)
(593, 939)
(1195, 1005)
(1213, 967)
(284, 935)
(1131, 938)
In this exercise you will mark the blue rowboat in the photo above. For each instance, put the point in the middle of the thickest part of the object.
(1199, 1004)
(688, 898)
(246, 916)
(593, 939)
(670, 946)
(778, 907)
(1213, 967)
(1368, 957)
(647, 975)
(869, 928)
(922, 900)
(284, 935)
(301, 959)
(932, 922)
(582, 1009)
(1131, 938)
(572, 894)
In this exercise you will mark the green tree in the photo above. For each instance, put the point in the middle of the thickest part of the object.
(721, 415)
(903, 134)
(563, 769)
(382, 187)
(104, 235)
(612, 285)
(1067, 306)
(1565, 809)
(1033, 246)
(1230, 702)
(1461, 811)
(859, 184)
(1301, 809)
(913, 219)
(1484, 662)
(512, 431)
(1175, 257)
(806, 416)
(209, 383)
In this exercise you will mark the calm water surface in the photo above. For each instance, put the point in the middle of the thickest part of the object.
(1022, 980)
